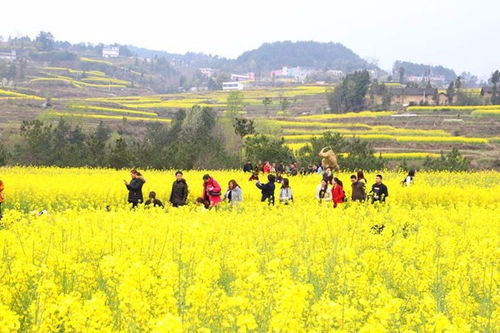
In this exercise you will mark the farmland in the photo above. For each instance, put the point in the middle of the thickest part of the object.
(91, 264)
(105, 91)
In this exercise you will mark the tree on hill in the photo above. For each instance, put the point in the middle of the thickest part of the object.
(45, 41)
(410, 68)
(303, 53)
(350, 94)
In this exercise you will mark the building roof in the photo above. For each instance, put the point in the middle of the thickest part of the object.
(486, 90)
(412, 91)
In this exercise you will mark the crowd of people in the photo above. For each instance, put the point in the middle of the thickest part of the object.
(330, 190)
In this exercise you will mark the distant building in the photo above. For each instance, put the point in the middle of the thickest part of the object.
(110, 52)
(338, 74)
(243, 77)
(487, 94)
(410, 96)
(207, 72)
(291, 74)
(233, 85)
(8, 55)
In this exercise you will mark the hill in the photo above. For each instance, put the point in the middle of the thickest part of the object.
(303, 53)
(411, 68)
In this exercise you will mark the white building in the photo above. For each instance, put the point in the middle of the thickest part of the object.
(8, 55)
(232, 85)
(206, 71)
(110, 52)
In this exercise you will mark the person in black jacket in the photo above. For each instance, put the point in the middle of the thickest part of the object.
(267, 190)
(179, 194)
(135, 188)
(379, 191)
(248, 167)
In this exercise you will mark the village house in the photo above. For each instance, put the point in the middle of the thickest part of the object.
(487, 94)
(233, 85)
(207, 71)
(110, 52)
(409, 96)
(243, 77)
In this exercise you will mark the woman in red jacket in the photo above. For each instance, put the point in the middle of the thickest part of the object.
(338, 193)
(211, 191)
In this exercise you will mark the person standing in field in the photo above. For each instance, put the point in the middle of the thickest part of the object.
(338, 193)
(2, 187)
(134, 188)
(267, 189)
(267, 167)
(328, 176)
(179, 193)
(211, 191)
(248, 167)
(234, 194)
(323, 192)
(379, 191)
(358, 189)
(286, 195)
(409, 179)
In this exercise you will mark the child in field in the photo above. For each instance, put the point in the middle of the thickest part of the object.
(286, 192)
(152, 200)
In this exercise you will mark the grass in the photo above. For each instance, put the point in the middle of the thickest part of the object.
(107, 109)
(107, 117)
(8, 94)
(97, 61)
(407, 139)
(487, 112)
(362, 114)
(452, 107)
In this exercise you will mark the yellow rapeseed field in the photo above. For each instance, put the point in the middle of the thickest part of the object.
(304, 267)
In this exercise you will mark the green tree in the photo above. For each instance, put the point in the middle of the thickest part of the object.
(120, 155)
(243, 126)
(4, 155)
(350, 94)
(284, 104)
(267, 101)
(495, 79)
(451, 161)
(450, 92)
(234, 103)
(45, 41)
(401, 74)
(265, 148)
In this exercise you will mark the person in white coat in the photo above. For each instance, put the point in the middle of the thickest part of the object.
(286, 195)
(323, 192)
(233, 194)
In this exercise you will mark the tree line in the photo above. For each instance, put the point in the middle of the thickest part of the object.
(196, 139)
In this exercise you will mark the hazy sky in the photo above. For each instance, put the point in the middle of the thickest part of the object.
(461, 34)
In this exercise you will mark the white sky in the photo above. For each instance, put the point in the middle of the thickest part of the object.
(461, 34)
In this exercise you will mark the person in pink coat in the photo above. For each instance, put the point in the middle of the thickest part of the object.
(211, 191)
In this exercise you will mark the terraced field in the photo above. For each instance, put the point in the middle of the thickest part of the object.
(91, 96)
